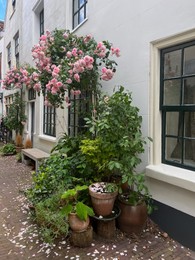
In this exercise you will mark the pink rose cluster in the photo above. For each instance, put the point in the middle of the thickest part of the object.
(61, 60)
(16, 77)
(39, 53)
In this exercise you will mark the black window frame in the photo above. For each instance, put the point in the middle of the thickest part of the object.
(9, 55)
(31, 94)
(77, 12)
(80, 107)
(16, 41)
(181, 108)
(41, 22)
(49, 120)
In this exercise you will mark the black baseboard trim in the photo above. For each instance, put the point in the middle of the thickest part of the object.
(179, 226)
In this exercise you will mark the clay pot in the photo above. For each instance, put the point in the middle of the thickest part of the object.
(76, 224)
(132, 218)
(102, 202)
(19, 148)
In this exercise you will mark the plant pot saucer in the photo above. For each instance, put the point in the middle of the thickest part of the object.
(115, 213)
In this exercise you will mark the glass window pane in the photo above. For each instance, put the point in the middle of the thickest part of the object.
(189, 152)
(81, 15)
(172, 123)
(189, 60)
(189, 91)
(189, 124)
(172, 92)
(172, 64)
(173, 150)
(76, 5)
(82, 2)
(76, 20)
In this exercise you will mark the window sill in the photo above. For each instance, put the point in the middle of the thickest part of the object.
(172, 175)
(47, 138)
(79, 25)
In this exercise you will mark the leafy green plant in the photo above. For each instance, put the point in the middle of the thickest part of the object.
(53, 174)
(48, 215)
(74, 202)
(19, 157)
(8, 149)
(118, 125)
(78, 164)
(97, 156)
(15, 118)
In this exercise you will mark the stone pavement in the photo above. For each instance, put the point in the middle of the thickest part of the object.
(19, 236)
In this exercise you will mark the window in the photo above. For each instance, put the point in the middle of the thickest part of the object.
(79, 12)
(31, 94)
(9, 55)
(42, 22)
(177, 102)
(79, 109)
(49, 121)
(16, 38)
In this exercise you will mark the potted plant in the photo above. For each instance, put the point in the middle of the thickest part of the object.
(118, 124)
(135, 204)
(28, 143)
(75, 209)
(19, 143)
(103, 196)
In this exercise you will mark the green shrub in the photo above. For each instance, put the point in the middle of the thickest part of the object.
(53, 174)
(49, 216)
(8, 149)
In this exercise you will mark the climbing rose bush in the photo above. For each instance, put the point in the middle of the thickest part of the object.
(65, 61)
(16, 77)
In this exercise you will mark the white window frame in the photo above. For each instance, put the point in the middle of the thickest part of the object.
(168, 184)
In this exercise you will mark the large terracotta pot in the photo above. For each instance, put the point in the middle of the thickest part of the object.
(102, 202)
(76, 224)
(132, 218)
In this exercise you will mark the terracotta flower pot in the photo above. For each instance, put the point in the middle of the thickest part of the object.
(76, 224)
(132, 218)
(102, 202)
(19, 148)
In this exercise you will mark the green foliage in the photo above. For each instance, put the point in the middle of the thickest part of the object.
(117, 130)
(8, 149)
(78, 164)
(48, 216)
(16, 117)
(74, 199)
(53, 174)
(118, 126)
(19, 157)
(111, 187)
(97, 155)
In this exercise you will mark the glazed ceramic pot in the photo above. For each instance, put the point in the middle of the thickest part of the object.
(132, 218)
